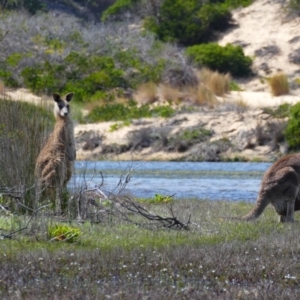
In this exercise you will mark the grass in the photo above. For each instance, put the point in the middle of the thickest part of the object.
(146, 93)
(279, 84)
(218, 258)
(218, 83)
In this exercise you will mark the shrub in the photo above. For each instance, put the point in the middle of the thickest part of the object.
(294, 5)
(32, 6)
(279, 84)
(23, 129)
(140, 69)
(189, 22)
(125, 112)
(180, 77)
(292, 132)
(87, 76)
(119, 7)
(222, 59)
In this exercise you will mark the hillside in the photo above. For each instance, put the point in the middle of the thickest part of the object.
(268, 34)
(237, 127)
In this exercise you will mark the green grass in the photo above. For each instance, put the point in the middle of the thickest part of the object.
(218, 258)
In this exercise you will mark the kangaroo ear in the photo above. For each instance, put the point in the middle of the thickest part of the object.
(69, 96)
(56, 97)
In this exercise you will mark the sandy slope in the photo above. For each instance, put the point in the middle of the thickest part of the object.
(267, 34)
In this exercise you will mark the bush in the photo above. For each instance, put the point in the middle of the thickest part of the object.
(292, 132)
(119, 7)
(122, 112)
(294, 5)
(32, 6)
(87, 76)
(59, 54)
(228, 59)
(23, 129)
(189, 22)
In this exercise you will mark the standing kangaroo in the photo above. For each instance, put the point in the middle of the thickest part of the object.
(54, 165)
(280, 187)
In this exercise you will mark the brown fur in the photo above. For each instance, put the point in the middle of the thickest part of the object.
(280, 187)
(54, 165)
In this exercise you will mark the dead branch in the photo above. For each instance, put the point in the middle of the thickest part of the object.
(171, 222)
(90, 200)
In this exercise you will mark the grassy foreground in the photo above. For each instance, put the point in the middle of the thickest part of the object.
(217, 259)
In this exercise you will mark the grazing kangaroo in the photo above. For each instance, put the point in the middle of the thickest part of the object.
(280, 187)
(54, 165)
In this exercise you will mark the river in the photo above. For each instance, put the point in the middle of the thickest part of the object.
(233, 181)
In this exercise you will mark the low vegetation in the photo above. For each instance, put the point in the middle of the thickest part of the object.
(279, 84)
(225, 59)
(23, 129)
(292, 129)
(217, 258)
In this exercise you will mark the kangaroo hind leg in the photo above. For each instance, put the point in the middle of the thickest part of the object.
(289, 188)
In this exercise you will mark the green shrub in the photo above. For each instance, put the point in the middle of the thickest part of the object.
(294, 5)
(85, 75)
(117, 8)
(292, 132)
(123, 112)
(222, 59)
(189, 22)
(32, 6)
(142, 70)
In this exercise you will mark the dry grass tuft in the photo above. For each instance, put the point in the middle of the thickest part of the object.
(201, 95)
(169, 93)
(218, 83)
(279, 84)
(146, 93)
(2, 87)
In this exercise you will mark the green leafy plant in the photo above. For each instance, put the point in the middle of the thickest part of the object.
(222, 59)
(157, 199)
(60, 232)
(292, 131)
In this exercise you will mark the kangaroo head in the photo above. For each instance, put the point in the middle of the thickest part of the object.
(62, 107)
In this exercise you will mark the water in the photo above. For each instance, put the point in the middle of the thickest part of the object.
(232, 181)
